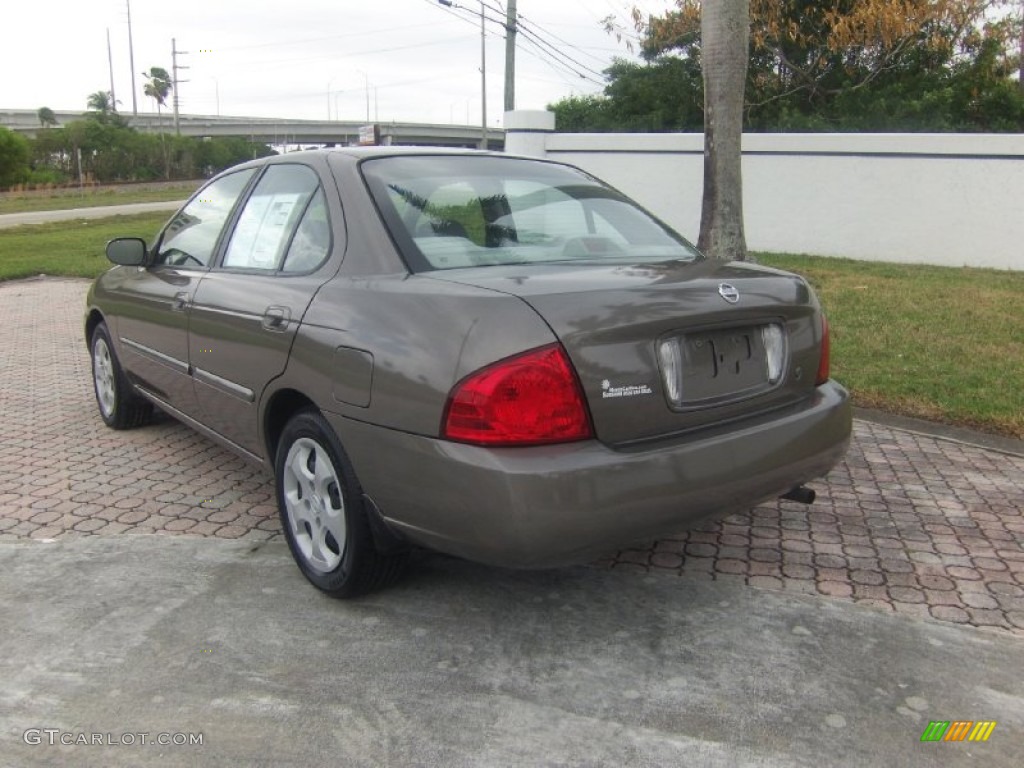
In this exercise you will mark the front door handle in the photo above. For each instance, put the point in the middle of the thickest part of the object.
(276, 318)
(180, 301)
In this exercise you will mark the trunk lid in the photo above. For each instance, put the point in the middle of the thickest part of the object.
(669, 347)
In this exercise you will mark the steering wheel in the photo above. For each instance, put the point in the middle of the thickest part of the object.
(177, 258)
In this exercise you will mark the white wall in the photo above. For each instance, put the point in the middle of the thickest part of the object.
(947, 199)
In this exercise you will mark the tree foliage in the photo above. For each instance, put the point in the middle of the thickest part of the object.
(158, 85)
(46, 117)
(846, 65)
(636, 99)
(111, 151)
(14, 157)
(100, 102)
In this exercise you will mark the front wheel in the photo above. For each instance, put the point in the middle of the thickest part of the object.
(323, 512)
(119, 405)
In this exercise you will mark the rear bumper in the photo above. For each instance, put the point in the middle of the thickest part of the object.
(555, 505)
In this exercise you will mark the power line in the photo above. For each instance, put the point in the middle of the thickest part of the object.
(321, 39)
(559, 54)
(554, 63)
(293, 95)
(566, 61)
(472, 19)
(562, 78)
(524, 20)
(370, 52)
(552, 57)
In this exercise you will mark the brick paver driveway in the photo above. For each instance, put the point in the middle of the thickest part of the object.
(908, 523)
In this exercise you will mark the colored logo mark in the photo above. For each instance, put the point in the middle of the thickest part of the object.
(958, 730)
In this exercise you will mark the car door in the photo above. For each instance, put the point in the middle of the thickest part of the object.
(154, 302)
(246, 311)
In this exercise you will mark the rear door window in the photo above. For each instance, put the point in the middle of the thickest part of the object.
(312, 241)
(270, 218)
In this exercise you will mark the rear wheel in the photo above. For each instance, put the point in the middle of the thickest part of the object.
(119, 405)
(323, 512)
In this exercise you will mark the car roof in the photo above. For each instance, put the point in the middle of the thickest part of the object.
(356, 154)
(362, 153)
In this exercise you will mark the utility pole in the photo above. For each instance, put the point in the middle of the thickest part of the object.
(110, 66)
(483, 71)
(131, 57)
(366, 82)
(510, 56)
(483, 80)
(175, 81)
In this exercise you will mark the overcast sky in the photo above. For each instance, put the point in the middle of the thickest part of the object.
(308, 58)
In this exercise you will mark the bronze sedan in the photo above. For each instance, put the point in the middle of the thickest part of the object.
(495, 357)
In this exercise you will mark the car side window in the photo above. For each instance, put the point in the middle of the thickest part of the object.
(191, 237)
(270, 217)
(312, 241)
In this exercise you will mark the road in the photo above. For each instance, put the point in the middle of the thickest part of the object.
(8, 220)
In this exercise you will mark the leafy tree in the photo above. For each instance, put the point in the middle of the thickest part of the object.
(845, 65)
(664, 94)
(15, 154)
(46, 117)
(583, 114)
(808, 56)
(112, 151)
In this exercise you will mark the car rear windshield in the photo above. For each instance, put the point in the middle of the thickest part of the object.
(450, 212)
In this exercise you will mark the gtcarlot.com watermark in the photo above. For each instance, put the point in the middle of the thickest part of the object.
(56, 736)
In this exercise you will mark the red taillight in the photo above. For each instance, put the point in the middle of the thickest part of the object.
(823, 364)
(528, 399)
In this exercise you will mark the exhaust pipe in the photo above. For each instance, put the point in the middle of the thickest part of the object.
(801, 494)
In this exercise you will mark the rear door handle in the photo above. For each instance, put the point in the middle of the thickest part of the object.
(180, 301)
(277, 318)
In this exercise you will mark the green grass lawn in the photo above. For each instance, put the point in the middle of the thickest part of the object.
(15, 203)
(939, 343)
(69, 248)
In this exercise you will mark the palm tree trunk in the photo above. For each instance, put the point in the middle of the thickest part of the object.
(163, 142)
(725, 34)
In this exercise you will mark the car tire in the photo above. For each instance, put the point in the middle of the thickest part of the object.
(119, 405)
(324, 514)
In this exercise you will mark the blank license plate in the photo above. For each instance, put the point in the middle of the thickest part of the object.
(722, 363)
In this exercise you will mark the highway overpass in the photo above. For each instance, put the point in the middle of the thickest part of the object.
(277, 131)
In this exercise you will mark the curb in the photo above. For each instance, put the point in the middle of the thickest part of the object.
(989, 442)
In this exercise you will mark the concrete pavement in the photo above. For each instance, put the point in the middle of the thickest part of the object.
(461, 665)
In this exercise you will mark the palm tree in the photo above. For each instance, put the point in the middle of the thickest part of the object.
(99, 102)
(46, 117)
(725, 36)
(157, 87)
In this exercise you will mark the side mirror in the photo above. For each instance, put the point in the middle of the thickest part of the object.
(127, 251)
